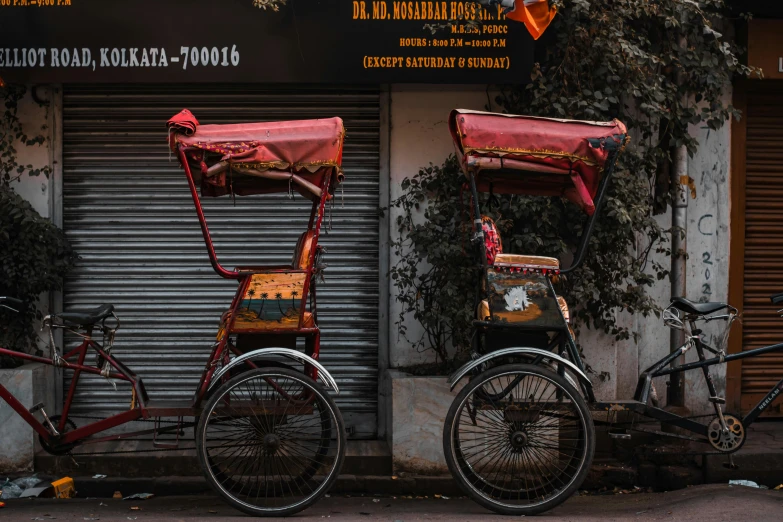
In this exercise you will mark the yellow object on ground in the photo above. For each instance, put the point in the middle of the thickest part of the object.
(64, 488)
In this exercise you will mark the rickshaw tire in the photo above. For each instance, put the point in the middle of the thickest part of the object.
(205, 464)
(502, 509)
(243, 368)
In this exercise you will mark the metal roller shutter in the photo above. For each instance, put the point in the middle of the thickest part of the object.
(763, 275)
(128, 212)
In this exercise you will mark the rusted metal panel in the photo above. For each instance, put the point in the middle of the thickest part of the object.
(762, 240)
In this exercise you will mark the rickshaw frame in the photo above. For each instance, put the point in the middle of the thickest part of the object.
(220, 356)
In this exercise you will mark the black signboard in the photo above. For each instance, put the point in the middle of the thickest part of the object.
(314, 41)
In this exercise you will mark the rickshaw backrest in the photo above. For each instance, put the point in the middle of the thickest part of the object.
(493, 244)
(304, 248)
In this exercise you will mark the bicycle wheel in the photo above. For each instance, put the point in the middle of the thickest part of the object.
(519, 439)
(271, 441)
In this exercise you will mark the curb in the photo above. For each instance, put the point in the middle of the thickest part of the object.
(345, 485)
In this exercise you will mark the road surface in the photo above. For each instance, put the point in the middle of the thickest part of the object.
(701, 503)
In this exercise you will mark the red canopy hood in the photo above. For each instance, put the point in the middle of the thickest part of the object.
(537, 156)
(261, 157)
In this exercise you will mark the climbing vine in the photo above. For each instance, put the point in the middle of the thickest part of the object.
(34, 254)
(273, 5)
(662, 68)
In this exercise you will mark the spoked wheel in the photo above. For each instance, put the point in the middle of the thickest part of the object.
(519, 439)
(271, 441)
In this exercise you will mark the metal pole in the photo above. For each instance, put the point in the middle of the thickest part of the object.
(679, 184)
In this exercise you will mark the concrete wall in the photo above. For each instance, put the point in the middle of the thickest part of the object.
(41, 191)
(707, 269)
(36, 119)
(30, 384)
(419, 136)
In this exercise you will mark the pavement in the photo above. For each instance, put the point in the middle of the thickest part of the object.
(715, 502)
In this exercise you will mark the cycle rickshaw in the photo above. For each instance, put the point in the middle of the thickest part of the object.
(269, 438)
(520, 436)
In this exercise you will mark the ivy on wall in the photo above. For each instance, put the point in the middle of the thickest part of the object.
(662, 68)
(34, 254)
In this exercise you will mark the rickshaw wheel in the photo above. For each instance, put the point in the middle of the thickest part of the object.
(519, 439)
(271, 441)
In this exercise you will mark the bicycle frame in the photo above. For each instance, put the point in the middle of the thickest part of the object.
(660, 369)
(121, 373)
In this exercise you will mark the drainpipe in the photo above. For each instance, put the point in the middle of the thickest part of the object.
(679, 184)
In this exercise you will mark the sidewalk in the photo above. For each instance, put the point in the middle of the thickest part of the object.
(368, 469)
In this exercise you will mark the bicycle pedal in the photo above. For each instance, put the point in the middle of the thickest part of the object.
(621, 435)
(47, 421)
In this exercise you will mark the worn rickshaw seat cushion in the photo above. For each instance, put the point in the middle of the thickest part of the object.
(524, 261)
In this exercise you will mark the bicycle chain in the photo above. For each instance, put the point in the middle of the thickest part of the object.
(88, 417)
(91, 454)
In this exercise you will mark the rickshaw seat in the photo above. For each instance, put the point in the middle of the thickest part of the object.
(496, 257)
(308, 321)
(523, 261)
(304, 247)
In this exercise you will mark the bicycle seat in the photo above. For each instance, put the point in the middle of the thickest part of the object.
(88, 317)
(689, 307)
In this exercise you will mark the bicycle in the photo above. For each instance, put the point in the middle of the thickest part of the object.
(268, 436)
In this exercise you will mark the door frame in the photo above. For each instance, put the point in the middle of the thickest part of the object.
(737, 239)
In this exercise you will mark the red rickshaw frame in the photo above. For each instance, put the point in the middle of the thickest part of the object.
(141, 407)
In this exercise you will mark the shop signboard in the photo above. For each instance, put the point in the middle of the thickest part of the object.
(307, 41)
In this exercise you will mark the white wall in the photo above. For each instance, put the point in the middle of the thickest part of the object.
(35, 119)
(419, 136)
(707, 271)
(708, 248)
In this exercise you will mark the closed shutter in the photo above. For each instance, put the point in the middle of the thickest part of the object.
(128, 213)
(763, 276)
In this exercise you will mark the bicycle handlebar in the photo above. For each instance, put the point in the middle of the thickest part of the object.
(10, 302)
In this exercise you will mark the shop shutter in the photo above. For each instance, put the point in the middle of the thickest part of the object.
(763, 275)
(128, 213)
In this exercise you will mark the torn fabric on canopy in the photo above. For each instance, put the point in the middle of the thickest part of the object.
(534, 155)
(261, 158)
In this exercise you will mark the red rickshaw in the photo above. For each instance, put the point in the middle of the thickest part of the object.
(269, 438)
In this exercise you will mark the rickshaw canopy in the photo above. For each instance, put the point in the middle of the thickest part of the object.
(261, 158)
(534, 155)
